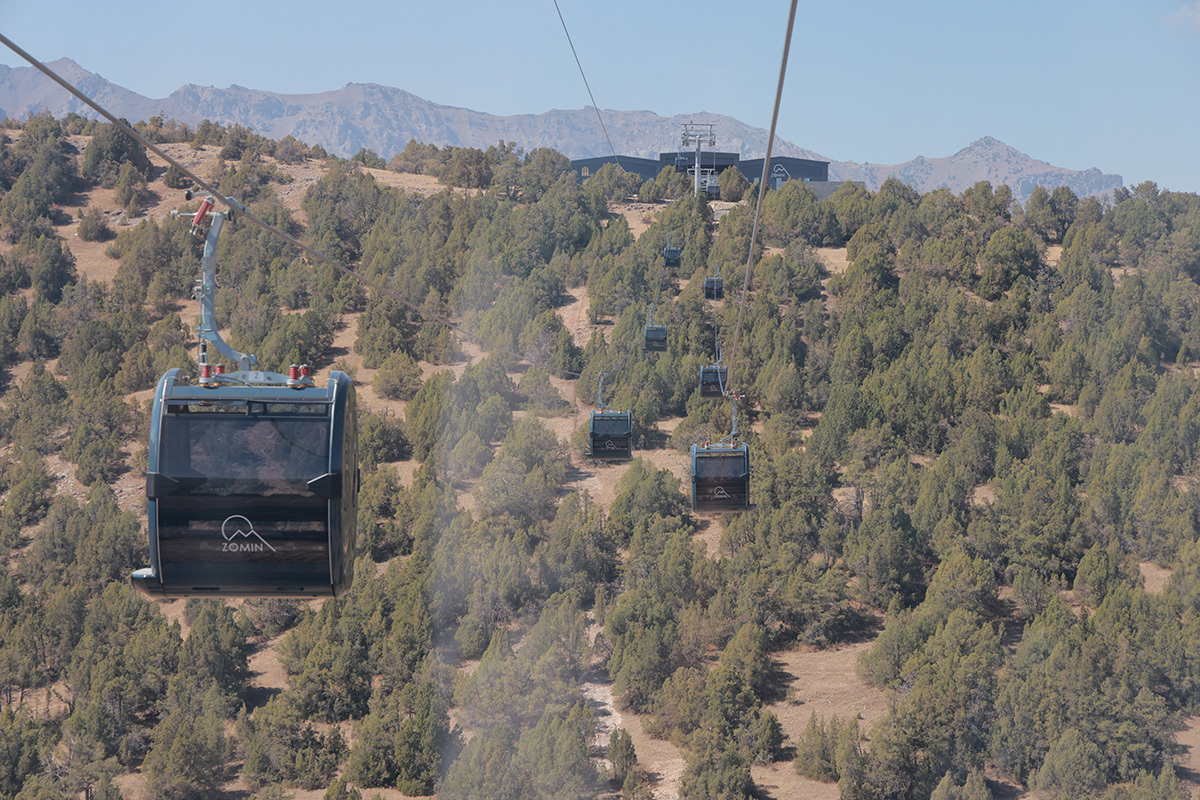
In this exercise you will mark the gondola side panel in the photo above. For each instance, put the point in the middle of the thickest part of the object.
(720, 478)
(245, 491)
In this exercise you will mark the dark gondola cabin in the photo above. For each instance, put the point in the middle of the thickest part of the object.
(655, 337)
(671, 256)
(720, 477)
(714, 288)
(611, 435)
(251, 490)
(712, 380)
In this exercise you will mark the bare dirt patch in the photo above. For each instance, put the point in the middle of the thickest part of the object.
(834, 259)
(131, 785)
(780, 781)
(266, 669)
(983, 495)
(1184, 483)
(18, 372)
(62, 472)
(172, 610)
(91, 261)
(820, 682)
(1188, 761)
(711, 529)
(638, 215)
(823, 682)
(663, 762)
(575, 318)
(419, 184)
(1063, 408)
(1154, 577)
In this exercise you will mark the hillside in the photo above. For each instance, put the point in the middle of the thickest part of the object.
(971, 565)
(384, 119)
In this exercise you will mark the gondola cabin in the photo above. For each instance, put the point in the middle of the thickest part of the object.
(720, 477)
(611, 435)
(655, 337)
(712, 380)
(671, 256)
(714, 288)
(251, 489)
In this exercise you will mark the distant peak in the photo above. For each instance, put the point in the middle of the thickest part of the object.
(67, 67)
(987, 144)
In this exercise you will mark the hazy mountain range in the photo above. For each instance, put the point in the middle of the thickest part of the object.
(384, 119)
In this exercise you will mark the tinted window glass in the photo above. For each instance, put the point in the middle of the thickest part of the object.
(610, 426)
(274, 451)
(732, 465)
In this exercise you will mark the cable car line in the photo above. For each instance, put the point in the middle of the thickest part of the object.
(242, 210)
(588, 86)
(762, 186)
(720, 476)
(721, 472)
(649, 322)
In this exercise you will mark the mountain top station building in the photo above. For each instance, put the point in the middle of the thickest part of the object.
(783, 168)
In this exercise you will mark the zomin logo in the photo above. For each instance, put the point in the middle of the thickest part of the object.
(246, 545)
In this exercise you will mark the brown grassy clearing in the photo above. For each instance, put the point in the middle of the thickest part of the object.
(1154, 577)
(820, 682)
(834, 259)
(637, 214)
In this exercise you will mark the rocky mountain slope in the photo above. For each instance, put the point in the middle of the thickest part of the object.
(384, 119)
(985, 159)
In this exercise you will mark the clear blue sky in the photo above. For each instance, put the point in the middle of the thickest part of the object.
(1113, 84)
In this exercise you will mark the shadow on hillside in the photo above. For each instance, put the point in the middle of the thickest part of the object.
(1187, 774)
(848, 628)
(1013, 622)
(258, 696)
(1003, 791)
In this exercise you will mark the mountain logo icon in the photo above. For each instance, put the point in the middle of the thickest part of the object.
(239, 535)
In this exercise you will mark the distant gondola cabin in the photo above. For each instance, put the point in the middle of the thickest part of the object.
(720, 477)
(655, 337)
(251, 490)
(611, 435)
(714, 288)
(712, 380)
(671, 256)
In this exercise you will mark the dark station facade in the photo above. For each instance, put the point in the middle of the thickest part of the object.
(783, 168)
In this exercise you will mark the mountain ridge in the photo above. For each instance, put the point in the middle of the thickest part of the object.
(384, 119)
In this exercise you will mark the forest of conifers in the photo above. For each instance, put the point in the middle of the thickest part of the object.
(1002, 398)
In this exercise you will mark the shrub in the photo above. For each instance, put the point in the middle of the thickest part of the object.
(93, 227)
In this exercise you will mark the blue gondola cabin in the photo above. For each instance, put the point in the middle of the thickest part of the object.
(611, 435)
(714, 288)
(655, 338)
(713, 379)
(251, 490)
(720, 477)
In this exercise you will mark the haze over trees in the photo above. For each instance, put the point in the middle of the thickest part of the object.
(1010, 429)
